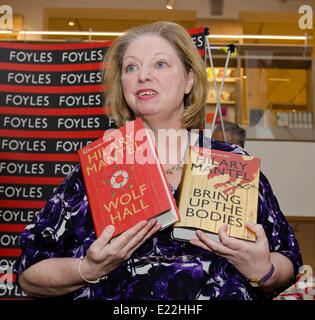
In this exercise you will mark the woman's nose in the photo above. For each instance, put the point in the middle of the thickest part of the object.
(145, 74)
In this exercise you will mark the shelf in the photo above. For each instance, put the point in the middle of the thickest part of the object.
(278, 133)
(273, 79)
(226, 80)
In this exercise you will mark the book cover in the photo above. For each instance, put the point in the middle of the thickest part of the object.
(218, 188)
(125, 181)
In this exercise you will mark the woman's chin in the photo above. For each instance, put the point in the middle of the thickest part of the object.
(148, 111)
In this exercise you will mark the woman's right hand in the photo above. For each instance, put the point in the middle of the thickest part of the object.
(104, 256)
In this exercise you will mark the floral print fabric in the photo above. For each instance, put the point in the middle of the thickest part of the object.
(161, 268)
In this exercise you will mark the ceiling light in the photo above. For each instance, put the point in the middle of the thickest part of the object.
(279, 79)
(117, 34)
(73, 33)
(71, 23)
(253, 36)
(170, 4)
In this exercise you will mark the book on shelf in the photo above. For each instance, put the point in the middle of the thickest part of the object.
(217, 188)
(125, 181)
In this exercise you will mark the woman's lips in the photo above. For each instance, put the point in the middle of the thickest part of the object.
(145, 94)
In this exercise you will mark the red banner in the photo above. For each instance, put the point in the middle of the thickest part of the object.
(51, 105)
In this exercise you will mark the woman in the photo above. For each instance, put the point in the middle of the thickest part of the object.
(154, 72)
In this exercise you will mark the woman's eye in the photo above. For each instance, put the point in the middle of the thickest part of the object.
(161, 64)
(130, 68)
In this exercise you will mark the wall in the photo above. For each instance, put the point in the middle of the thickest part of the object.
(290, 169)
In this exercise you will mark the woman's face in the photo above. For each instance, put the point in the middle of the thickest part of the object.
(153, 78)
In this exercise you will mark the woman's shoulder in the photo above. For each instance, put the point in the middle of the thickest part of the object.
(74, 177)
(72, 188)
(76, 173)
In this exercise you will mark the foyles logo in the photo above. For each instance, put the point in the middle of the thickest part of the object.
(306, 20)
(6, 20)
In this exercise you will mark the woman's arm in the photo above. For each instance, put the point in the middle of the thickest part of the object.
(59, 276)
(51, 277)
(283, 272)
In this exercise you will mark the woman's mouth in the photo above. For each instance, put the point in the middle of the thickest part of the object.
(146, 93)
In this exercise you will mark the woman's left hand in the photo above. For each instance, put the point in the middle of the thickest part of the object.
(252, 259)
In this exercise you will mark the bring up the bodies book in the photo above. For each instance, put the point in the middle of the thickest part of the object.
(217, 188)
(125, 181)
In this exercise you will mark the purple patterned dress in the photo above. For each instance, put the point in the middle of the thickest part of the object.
(178, 270)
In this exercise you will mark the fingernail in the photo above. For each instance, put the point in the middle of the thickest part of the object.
(199, 233)
(153, 221)
(110, 228)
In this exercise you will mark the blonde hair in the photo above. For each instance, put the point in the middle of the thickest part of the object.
(178, 37)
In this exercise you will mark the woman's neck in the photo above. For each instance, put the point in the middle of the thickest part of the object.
(158, 126)
(171, 142)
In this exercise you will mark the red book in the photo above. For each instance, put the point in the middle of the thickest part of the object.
(125, 181)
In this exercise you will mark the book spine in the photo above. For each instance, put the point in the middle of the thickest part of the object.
(163, 176)
(90, 196)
